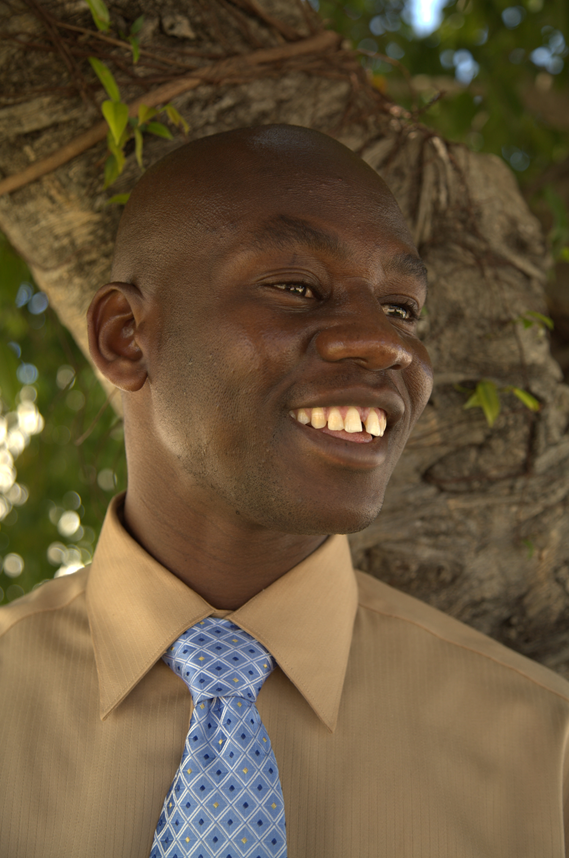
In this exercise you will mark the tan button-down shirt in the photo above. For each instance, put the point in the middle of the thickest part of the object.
(398, 732)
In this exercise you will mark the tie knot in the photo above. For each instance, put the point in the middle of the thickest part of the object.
(216, 658)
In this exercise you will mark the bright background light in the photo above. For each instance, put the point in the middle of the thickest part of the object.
(426, 15)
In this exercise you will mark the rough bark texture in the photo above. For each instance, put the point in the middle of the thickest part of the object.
(476, 519)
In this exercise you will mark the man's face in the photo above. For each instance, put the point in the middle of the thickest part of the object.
(300, 296)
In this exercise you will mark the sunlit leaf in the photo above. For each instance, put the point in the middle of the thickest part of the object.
(106, 77)
(487, 398)
(175, 117)
(145, 113)
(112, 171)
(138, 144)
(100, 14)
(116, 114)
(159, 129)
(528, 400)
(135, 48)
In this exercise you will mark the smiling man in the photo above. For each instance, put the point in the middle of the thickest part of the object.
(221, 682)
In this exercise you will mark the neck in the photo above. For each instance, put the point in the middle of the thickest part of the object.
(225, 560)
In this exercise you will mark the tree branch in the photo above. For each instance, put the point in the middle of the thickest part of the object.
(212, 73)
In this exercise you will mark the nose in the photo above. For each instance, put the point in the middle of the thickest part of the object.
(364, 335)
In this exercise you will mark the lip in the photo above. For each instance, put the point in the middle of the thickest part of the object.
(341, 452)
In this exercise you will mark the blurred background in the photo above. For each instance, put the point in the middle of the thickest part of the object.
(490, 75)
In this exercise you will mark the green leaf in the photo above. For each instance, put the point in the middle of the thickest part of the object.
(112, 171)
(472, 402)
(138, 144)
(136, 26)
(159, 129)
(145, 113)
(116, 114)
(489, 400)
(116, 151)
(135, 48)
(564, 254)
(100, 14)
(175, 117)
(118, 200)
(485, 397)
(546, 321)
(106, 77)
(530, 547)
(528, 400)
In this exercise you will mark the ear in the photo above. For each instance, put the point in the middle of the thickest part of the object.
(114, 320)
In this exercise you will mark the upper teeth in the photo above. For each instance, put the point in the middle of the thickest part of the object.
(348, 418)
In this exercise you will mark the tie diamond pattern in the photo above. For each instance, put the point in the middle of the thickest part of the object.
(225, 800)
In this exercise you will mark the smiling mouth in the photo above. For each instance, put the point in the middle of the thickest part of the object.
(345, 422)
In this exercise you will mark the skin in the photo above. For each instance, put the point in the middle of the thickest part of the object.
(257, 272)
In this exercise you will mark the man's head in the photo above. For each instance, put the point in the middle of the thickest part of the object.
(260, 274)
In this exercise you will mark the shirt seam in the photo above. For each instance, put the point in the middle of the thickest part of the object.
(467, 648)
(41, 611)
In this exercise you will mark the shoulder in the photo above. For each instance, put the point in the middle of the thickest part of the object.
(53, 598)
(430, 634)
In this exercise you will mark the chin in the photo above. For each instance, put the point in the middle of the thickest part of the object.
(328, 521)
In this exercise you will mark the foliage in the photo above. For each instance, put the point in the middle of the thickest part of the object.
(122, 127)
(51, 516)
(487, 397)
(489, 51)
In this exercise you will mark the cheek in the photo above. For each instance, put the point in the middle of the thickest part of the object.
(419, 378)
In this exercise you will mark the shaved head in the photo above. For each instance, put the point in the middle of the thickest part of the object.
(194, 198)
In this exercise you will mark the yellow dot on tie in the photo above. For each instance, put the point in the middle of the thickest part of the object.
(235, 679)
(216, 804)
(234, 640)
(264, 739)
(202, 623)
(245, 771)
(273, 805)
(189, 771)
(243, 840)
(220, 742)
(170, 805)
(187, 839)
(265, 665)
(201, 658)
(202, 705)
(239, 704)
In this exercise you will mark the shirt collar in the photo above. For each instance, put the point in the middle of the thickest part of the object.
(137, 608)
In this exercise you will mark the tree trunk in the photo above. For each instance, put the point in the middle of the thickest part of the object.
(476, 518)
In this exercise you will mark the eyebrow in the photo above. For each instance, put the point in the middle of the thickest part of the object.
(407, 263)
(277, 232)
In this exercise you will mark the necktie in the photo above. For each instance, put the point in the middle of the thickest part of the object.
(226, 798)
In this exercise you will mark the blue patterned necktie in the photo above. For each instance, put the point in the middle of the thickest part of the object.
(226, 799)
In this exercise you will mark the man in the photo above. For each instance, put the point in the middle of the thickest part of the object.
(261, 323)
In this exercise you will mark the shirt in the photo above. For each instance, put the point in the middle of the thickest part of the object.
(398, 731)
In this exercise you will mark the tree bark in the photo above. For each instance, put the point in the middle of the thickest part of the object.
(476, 518)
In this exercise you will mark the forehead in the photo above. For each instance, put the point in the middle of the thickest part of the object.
(326, 200)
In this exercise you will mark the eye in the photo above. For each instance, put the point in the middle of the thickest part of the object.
(303, 290)
(401, 311)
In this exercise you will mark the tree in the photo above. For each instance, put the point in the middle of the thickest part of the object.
(475, 520)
